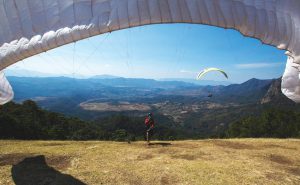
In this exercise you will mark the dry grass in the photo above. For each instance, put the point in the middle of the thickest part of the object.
(234, 161)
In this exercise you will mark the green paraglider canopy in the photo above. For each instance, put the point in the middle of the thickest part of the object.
(205, 71)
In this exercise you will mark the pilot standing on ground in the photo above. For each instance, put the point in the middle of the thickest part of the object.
(149, 125)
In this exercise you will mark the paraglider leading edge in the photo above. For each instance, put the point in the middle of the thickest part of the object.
(28, 28)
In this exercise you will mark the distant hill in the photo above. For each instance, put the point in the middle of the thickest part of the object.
(131, 89)
(207, 110)
(247, 87)
(85, 89)
(29, 87)
(247, 92)
(25, 73)
(104, 77)
(140, 83)
(176, 99)
(36, 74)
(198, 82)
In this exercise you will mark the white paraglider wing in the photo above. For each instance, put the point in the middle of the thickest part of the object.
(290, 85)
(205, 71)
(6, 92)
(29, 27)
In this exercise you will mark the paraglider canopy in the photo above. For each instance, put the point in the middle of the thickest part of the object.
(205, 71)
(30, 27)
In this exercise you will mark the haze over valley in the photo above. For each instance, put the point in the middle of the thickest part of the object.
(204, 109)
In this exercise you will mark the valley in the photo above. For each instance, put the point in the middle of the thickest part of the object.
(184, 104)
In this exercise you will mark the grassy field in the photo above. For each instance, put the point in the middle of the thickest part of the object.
(236, 161)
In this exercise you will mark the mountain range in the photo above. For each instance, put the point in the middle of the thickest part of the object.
(198, 107)
(117, 88)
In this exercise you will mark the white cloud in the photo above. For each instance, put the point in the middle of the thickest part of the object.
(187, 71)
(258, 65)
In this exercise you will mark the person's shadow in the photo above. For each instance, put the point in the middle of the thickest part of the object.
(35, 171)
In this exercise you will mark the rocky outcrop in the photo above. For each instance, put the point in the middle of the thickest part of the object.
(274, 94)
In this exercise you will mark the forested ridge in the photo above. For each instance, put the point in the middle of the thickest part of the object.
(29, 122)
(271, 123)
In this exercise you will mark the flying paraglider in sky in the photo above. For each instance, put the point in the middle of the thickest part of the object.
(28, 28)
(205, 71)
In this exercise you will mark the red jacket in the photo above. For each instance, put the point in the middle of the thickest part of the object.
(149, 121)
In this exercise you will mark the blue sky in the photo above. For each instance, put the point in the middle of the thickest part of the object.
(163, 51)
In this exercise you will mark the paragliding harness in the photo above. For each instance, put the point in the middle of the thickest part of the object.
(149, 125)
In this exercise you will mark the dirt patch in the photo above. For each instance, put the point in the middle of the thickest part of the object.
(158, 145)
(275, 176)
(51, 144)
(233, 145)
(167, 150)
(60, 162)
(146, 156)
(185, 157)
(279, 159)
(12, 159)
(294, 171)
(168, 180)
(164, 180)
